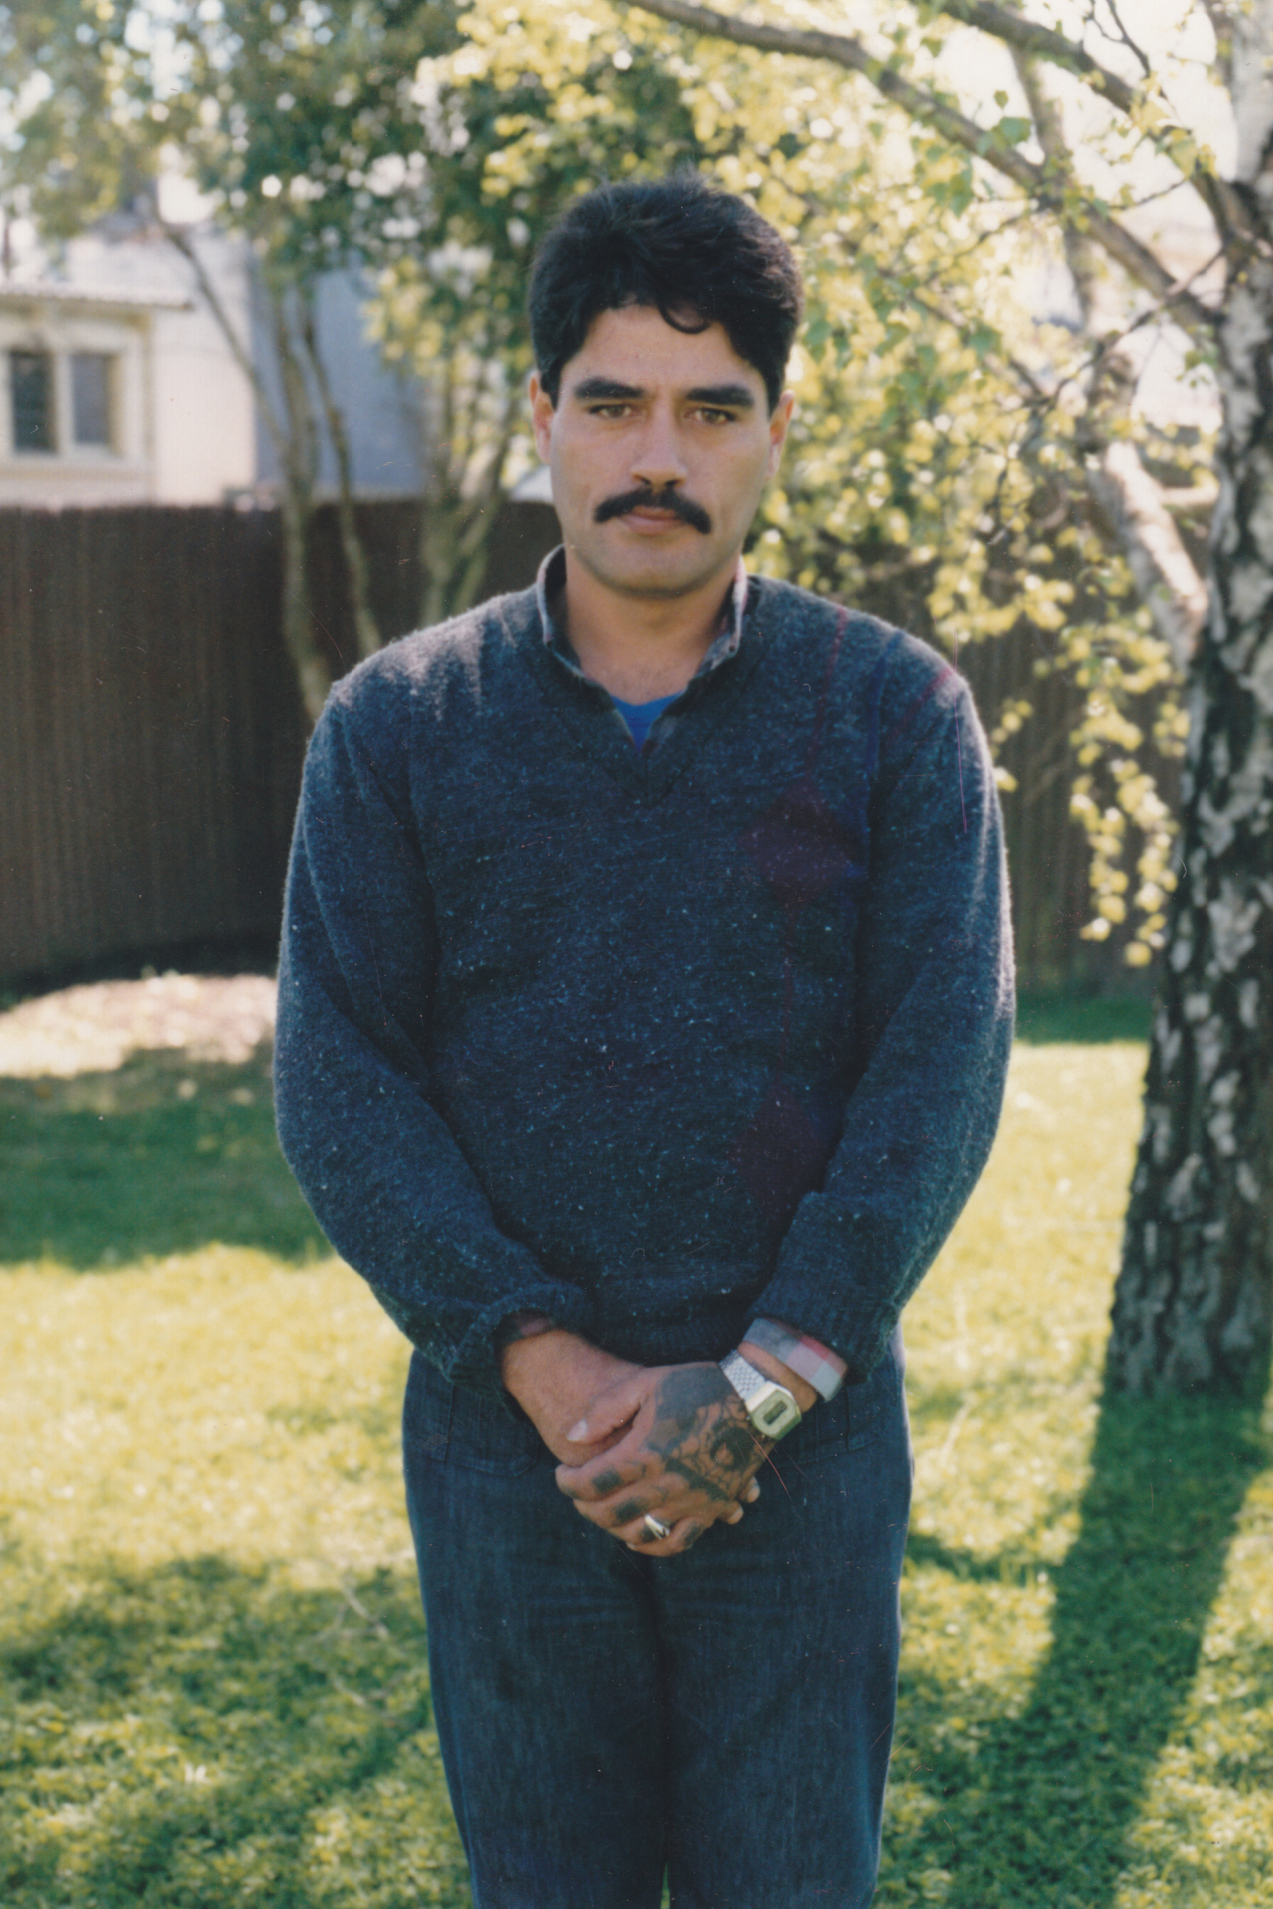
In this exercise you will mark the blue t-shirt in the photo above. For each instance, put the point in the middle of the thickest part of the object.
(641, 717)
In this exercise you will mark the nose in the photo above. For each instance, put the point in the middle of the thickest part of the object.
(657, 460)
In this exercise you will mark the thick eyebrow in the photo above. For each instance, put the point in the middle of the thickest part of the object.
(733, 397)
(593, 388)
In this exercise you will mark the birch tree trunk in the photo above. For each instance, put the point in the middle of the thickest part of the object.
(1194, 1301)
(1124, 493)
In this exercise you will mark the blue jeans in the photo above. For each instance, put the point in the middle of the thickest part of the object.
(725, 1715)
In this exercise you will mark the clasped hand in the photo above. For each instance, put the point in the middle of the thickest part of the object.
(685, 1452)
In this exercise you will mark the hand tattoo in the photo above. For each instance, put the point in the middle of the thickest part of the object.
(702, 1434)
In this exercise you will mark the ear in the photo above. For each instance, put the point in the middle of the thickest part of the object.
(542, 413)
(778, 425)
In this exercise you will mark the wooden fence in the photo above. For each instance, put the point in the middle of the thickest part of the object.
(151, 737)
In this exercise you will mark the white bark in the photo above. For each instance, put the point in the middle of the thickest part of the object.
(1194, 1304)
(1124, 493)
(1251, 90)
(1132, 504)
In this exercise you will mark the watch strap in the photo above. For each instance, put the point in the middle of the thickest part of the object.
(745, 1379)
(771, 1408)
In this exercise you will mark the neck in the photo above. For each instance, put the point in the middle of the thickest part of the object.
(639, 648)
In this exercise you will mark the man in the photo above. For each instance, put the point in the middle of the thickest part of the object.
(643, 1016)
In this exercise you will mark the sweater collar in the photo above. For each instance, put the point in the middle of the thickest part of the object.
(686, 729)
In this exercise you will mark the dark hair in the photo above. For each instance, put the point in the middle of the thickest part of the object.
(697, 255)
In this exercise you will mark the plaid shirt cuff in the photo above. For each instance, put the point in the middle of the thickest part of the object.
(808, 1358)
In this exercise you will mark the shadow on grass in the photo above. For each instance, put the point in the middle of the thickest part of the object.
(1039, 1810)
(163, 1155)
(201, 1736)
(1046, 1018)
(166, 1154)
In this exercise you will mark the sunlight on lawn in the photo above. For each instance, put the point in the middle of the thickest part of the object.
(1077, 1757)
(212, 1402)
(211, 1632)
(213, 1687)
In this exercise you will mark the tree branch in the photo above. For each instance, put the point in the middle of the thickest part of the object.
(1132, 505)
(1221, 19)
(929, 109)
(238, 350)
(1001, 22)
(1042, 43)
(300, 472)
(366, 628)
(1050, 131)
(1122, 490)
(1138, 53)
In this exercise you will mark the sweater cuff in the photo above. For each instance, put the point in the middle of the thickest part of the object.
(852, 1324)
(475, 1361)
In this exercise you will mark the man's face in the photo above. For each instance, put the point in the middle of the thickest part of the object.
(660, 444)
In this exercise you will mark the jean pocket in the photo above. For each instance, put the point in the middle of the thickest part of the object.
(453, 1426)
(857, 1416)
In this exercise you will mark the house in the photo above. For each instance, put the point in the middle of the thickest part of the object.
(116, 385)
(119, 386)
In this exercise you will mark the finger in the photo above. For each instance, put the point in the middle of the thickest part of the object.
(610, 1410)
(636, 1534)
(633, 1529)
(628, 1520)
(601, 1478)
(661, 1492)
(576, 1457)
(752, 1493)
(665, 1497)
(623, 1516)
(630, 1513)
(621, 1462)
(684, 1533)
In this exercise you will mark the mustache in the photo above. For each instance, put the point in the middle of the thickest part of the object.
(646, 499)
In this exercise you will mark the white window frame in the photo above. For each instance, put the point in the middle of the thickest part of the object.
(61, 335)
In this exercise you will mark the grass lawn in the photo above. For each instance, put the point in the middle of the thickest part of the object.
(212, 1680)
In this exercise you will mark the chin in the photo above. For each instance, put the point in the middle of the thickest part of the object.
(659, 571)
(657, 580)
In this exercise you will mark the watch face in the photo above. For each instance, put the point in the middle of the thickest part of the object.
(776, 1414)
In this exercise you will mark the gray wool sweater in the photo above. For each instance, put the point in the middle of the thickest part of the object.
(652, 1043)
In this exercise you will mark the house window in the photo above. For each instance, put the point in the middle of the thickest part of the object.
(90, 398)
(64, 402)
(92, 378)
(31, 389)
